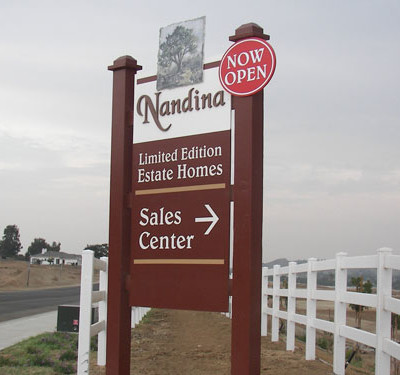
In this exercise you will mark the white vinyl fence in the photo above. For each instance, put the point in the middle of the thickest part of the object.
(87, 300)
(385, 348)
(384, 262)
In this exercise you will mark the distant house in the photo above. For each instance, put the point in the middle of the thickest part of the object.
(56, 257)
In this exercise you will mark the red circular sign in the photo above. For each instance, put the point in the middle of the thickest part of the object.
(247, 66)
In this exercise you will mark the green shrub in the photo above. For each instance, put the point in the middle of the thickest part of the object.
(322, 343)
(68, 355)
(6, 361)
(302, 337)
(65, 368)
(357, 359)
(40, 360)
(49, 353)
(32, 349)
(94, 343)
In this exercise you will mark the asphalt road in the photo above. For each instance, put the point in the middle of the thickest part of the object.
(18, 304)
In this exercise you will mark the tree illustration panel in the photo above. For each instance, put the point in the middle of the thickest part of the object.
(181, 54)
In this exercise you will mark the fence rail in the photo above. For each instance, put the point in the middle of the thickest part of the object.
(385, 348)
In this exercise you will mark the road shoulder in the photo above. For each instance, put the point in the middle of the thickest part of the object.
(16, 330)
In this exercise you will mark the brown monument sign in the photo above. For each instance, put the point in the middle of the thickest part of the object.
(180, 223)
(173, 181)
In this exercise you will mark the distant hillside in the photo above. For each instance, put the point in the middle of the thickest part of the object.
(327, 278)
(283, 262)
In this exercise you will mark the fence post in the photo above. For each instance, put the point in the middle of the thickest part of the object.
(291, 308)
(140, 314)
(311, 310)
(133, 317)
(85, 312)
(275, 303)
(339, 342)
(383, 317)
(102, 336)
(264, 302)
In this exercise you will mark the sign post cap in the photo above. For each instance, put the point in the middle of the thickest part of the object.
(125, 62)
(249, 30)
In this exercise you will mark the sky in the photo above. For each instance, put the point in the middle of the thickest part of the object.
(332, 116)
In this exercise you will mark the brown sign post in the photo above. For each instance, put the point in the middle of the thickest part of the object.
(170, 233)
(118, 307)
(248, 200)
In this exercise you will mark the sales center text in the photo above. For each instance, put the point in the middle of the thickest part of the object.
(162, 242)
(162, 217)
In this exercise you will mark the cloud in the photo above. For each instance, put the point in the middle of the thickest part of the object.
(332, 109)
(40, 148)
(55, 184)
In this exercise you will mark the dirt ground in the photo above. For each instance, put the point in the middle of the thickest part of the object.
(14, 275)
(173, 342)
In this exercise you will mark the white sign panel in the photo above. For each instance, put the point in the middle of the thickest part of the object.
(202, 108)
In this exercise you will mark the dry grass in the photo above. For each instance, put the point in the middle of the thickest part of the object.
(14, 275)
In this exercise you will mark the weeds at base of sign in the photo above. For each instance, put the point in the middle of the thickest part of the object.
(148, 317)
(45, 354)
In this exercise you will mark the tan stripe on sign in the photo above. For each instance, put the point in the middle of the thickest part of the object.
(180, 189)
(180, 261)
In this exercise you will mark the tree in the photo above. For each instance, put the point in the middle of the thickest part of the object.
(55, 246)
(99, 250)
(36, 247)
(38, 244)
(176, 46)
(10, 245)
(361, 287)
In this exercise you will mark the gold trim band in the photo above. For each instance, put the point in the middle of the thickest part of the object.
(180, 261)
(180, 189)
